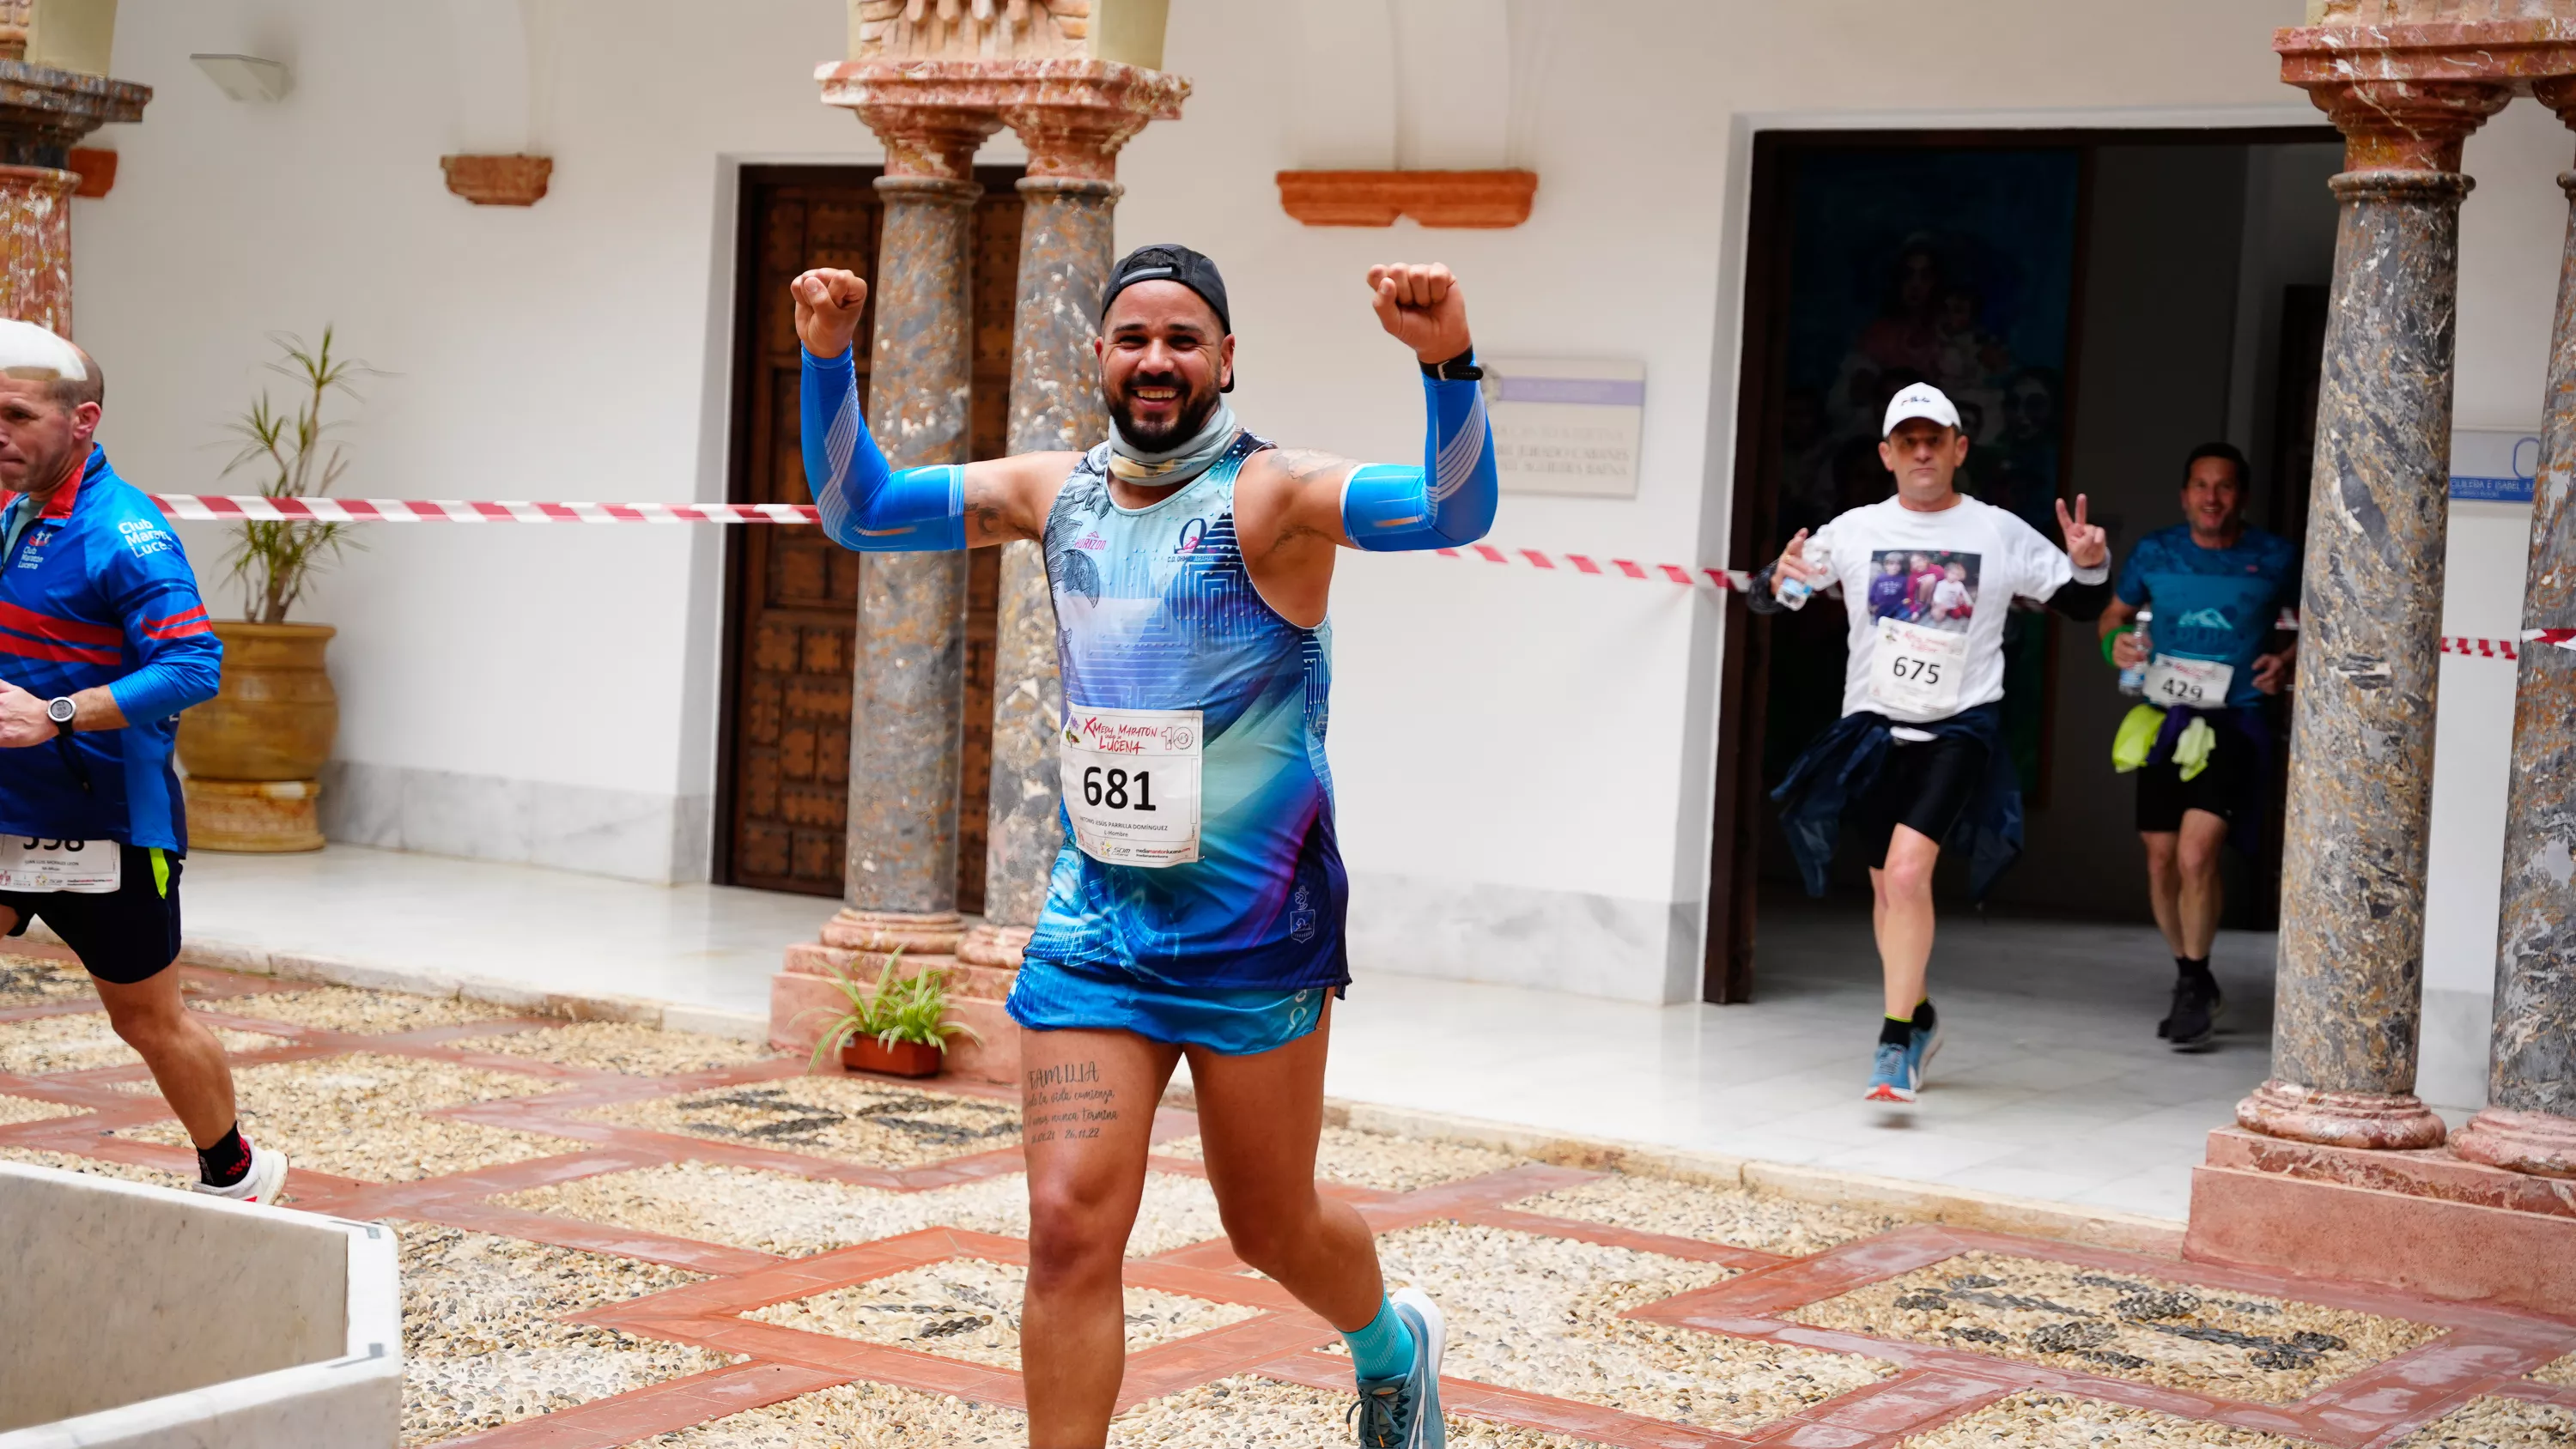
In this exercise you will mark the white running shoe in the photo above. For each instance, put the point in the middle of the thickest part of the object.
(266, 1178)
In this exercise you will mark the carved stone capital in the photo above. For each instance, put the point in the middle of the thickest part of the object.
(1073, 115)
(2407, 125)
(2382, 1121)
(2558, 93)
(937, 142)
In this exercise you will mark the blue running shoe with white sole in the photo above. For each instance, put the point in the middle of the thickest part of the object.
(1404, 1413)
(1919, 1048)
(1891, 1076)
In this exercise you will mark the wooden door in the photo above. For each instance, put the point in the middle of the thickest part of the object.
(792, 594)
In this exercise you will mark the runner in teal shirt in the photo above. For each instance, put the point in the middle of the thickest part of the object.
(2216, 589)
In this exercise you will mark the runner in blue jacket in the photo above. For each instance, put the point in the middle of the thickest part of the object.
(103, 641)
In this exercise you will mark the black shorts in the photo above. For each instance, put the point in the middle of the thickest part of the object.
(2231, 788)
(129, 936)
(1925, 785)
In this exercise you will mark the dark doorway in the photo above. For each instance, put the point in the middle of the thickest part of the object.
(792, 594)
(2067, 278)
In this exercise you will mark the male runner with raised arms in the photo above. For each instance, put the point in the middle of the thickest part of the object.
(1919, 752)
(1196, 906)
(2217, 586)
(103, 640)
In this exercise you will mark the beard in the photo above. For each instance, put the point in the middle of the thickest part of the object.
(1196, 407)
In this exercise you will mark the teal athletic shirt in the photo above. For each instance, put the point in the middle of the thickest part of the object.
(2212, 603)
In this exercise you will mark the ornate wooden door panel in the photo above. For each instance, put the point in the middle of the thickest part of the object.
(792, 593)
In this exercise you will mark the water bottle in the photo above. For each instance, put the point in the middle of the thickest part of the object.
(2133, 680)
(1795, 592)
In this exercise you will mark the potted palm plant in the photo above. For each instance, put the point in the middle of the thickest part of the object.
(254, 753)
(898, 1027)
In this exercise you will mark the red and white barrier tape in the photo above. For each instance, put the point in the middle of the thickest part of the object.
(392, 510)
(388, 510)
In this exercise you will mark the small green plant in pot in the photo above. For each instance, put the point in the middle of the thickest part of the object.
(898, 1027)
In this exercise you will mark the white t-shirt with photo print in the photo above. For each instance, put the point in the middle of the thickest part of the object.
(1903, 574)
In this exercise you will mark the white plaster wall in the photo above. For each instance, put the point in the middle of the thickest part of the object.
(1524, 760)
(2512, 230)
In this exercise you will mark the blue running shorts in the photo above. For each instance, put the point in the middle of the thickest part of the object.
(1230, 1021)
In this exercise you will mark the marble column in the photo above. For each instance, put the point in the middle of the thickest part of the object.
(2529, 1124)
(1067, 245)
(43, 112)
(2349, 991)
(907, 722)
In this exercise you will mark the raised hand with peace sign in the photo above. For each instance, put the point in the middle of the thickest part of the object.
(2086, 544)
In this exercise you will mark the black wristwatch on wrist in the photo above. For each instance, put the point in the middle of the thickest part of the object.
(61, 712)
(1461, 368)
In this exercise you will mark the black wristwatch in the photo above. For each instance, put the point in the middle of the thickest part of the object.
(61, 712)
(1461, 368)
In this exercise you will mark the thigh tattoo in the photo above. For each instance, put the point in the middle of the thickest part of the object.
(1067, 1100)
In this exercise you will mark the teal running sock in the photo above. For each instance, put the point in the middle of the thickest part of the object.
(1384, 1349)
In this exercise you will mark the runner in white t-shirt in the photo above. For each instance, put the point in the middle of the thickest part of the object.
(1921, 731)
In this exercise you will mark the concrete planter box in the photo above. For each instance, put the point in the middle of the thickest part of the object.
(145, 1318)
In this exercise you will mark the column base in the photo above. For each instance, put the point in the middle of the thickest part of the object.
(995, 947)
(2533, 1142)
(915, 933)
(2425, 1222)
(2379, 1121)
(258, 817)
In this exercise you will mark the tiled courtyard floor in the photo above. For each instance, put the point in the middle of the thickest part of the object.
(614, 1235)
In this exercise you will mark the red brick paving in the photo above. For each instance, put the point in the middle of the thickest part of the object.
(2485, 1351)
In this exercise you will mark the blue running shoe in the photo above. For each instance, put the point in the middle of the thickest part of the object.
(1404, 1413)
(1891, 1076)
(1924, 1041)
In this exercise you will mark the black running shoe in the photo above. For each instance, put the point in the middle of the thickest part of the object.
(2194, 1023)
(2164, 1028)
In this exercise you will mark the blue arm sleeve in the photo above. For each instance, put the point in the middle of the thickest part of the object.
(179, 659)
(1447, 501)
(864, 504)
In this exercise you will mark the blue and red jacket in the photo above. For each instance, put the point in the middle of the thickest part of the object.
(96, 590)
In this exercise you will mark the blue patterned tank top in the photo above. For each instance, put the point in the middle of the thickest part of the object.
(1158, 628)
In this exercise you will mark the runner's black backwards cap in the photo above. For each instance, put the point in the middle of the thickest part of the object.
(1165, 262)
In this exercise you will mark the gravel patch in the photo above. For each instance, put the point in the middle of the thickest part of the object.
(849, 1119)
(481, 1341)
(70, 1162)
(2561, 1373)
(623, 1046)
(362, 1116)
(969, 1309)
(1257, 1413)
(14, 1110)
(856, 1416)
(1542, 1314)
(777, 1212)
(2262, 1350)
(1373, 1159)
(2493, 1423)
(2055, 1421)
(1729, 1215)
(36, 981)
(359, 1013)
(81, 1042)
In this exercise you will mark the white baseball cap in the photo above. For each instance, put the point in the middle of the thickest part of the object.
(1922, 400)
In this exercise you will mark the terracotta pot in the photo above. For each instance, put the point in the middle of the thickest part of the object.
(276, 715)
(903, 1059)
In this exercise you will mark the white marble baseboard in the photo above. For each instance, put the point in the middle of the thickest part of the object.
(632, 835)
(1592, 945)
(2451, 1058)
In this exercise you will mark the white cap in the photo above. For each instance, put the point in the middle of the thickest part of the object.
(1922, 400)
(30, 353)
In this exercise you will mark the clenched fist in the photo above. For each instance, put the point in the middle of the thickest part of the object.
(829, 304)
(1422, 307)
